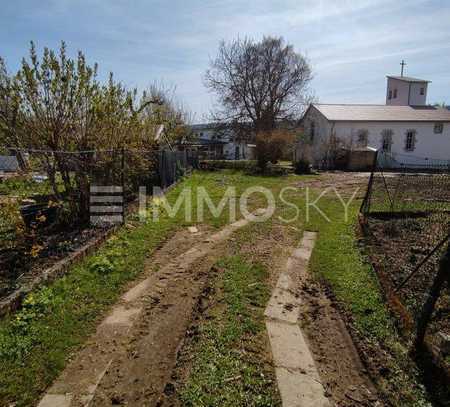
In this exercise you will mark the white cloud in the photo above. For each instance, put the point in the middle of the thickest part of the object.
(351, 44)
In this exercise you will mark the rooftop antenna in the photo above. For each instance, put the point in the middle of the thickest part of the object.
(403, 64)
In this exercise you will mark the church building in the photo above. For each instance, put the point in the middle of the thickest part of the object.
(405, 130)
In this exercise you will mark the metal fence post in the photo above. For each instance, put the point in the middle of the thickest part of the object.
(365, 203)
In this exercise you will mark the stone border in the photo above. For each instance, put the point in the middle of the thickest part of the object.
(297, 375)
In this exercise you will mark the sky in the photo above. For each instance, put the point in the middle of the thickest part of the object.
(352, 45)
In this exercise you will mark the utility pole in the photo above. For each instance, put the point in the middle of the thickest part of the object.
(403, 64)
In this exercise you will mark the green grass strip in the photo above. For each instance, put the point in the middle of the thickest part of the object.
(225, 372)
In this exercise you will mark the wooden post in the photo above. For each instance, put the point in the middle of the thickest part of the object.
(442, 276)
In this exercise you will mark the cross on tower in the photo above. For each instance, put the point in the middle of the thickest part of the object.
(403, 64)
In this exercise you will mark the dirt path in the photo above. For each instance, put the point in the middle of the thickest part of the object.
(258, 245)
(130, 357)
(346, 183)
(343, 375)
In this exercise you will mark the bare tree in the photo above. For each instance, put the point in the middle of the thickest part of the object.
(258, 83)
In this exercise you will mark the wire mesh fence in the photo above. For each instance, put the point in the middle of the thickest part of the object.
(406, 217)
(52, 199)
(411, 163)
(174, 164)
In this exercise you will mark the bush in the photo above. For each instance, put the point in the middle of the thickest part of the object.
(270, 146)
(11, 225)
(302, 166)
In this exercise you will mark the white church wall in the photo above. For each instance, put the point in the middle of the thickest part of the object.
(415, 98)
(322, 131)
(427, 145)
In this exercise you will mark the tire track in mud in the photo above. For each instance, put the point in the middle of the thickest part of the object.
(130, 357)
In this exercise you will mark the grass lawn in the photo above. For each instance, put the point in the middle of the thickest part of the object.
(228, 368)
(231, 363)
(36, 342)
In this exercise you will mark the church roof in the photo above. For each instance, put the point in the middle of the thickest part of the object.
(383, 113)
(408, 79)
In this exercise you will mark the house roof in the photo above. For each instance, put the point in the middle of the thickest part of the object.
(407, 79)
(383, 113)
(8, 163)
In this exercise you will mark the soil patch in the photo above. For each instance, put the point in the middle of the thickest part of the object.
(346, 183)
(140, 372)
(344, 377)
(396, 247)
(19, 265)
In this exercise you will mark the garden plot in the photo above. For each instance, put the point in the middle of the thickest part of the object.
(396, 247)
(30, 242)
(406, 220)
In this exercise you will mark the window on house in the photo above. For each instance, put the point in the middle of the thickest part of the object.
(410, 142)
(438, 128)
(395, 93)
(363, 138)
(390, 94)
(312, 132)
(422, 91)
(386, 140)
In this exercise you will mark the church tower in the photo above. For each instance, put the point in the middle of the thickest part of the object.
(406, 91)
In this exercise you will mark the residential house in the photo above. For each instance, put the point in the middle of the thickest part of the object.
(212, 143)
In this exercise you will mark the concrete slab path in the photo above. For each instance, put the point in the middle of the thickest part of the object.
(297, 375)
